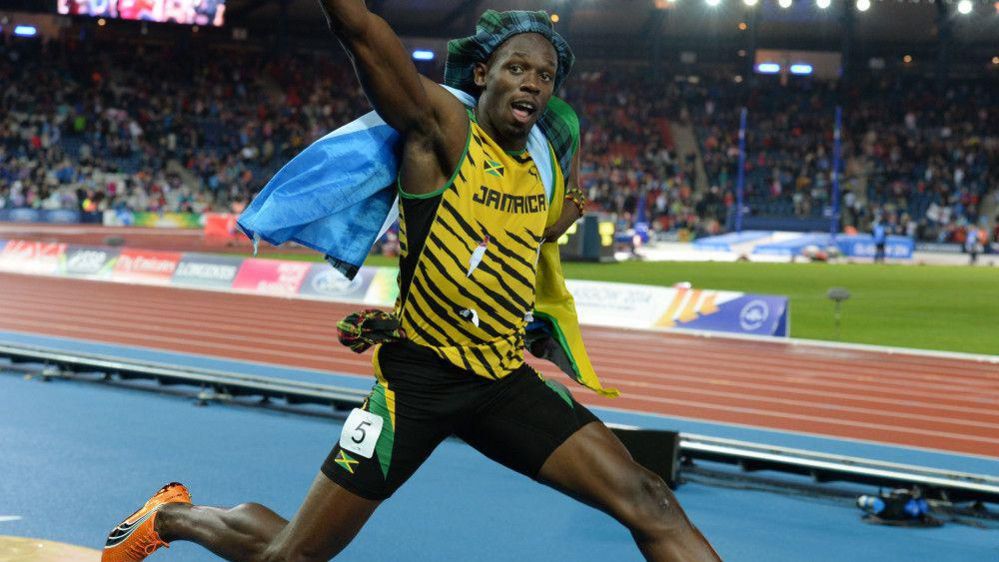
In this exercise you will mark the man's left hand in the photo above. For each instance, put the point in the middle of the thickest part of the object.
(570, 214)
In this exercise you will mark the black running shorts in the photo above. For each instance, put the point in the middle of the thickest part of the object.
(420, 400)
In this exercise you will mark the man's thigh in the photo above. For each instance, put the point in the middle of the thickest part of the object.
(408, 413)
(523, 421)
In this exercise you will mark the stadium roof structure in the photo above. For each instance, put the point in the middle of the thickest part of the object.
(965, 32)
(630, 25)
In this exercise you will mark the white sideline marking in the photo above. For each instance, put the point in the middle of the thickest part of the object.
(6, 518)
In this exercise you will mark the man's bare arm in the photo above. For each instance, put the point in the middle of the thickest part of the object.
(385, 69)
(570, 213)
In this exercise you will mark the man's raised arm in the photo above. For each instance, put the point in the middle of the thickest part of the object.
(385, 69)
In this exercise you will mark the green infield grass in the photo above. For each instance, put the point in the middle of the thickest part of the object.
(949, 308)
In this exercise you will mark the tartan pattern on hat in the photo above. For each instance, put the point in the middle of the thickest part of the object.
(559, 121)
(491, 31)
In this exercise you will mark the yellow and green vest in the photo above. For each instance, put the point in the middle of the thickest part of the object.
(474, 269)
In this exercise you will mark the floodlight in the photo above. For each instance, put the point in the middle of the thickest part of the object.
(713, 3)
(768, 68)
(823, 4)
(750, 2)
(25, 30)
(423, 55)
(784, 3)
(801, 69)
(964, 7)
(863, 5)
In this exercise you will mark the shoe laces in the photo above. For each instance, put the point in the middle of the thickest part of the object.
(147, 543)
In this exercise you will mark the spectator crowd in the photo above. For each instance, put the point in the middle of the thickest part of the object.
(919, 157)
(92, 126)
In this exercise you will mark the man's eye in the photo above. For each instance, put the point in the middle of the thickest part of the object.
(546, 77)
(516, 68)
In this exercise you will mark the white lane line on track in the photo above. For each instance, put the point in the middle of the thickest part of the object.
(6, 518)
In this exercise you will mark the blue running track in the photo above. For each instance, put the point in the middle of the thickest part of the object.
(75, 458)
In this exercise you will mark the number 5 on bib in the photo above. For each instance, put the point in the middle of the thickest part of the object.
(360, 433)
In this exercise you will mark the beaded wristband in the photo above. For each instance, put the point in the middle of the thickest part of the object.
(578, 199)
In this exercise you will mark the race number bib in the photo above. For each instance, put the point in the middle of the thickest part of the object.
(360, 433)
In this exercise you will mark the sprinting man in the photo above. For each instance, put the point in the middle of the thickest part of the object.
(472, 220)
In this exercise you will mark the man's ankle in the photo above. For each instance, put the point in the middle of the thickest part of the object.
(167, 516)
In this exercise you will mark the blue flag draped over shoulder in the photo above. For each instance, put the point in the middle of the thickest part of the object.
(338, 196)
(335, 197)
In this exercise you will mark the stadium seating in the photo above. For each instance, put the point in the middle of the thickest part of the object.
(100, 126)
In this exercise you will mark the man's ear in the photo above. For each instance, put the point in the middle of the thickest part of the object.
(479, 74)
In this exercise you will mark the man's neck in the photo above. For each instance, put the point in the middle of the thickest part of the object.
(507, 144)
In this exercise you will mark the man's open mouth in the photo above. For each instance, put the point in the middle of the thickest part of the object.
(523, 110)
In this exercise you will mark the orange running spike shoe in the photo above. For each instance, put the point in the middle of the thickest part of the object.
(135, 538)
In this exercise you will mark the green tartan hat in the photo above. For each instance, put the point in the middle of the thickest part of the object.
(491, 31)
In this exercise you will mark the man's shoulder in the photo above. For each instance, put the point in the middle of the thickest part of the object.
(449, 101)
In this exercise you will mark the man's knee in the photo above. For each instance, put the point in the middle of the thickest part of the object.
(652, 509)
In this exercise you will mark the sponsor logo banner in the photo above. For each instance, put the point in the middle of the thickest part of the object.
(272, 277)
(26, 256)
(167, 220)
(153, 220)
(325, 282)
(196, 270)
(145, 266)
(619, 304)
(623, 305)
(863, 246)
(89, 262)
(63, 216)
(942, 248)
(760, 315)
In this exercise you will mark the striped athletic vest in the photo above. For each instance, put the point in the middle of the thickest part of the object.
(469, 254)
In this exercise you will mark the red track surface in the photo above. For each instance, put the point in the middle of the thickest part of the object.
(938, 403)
